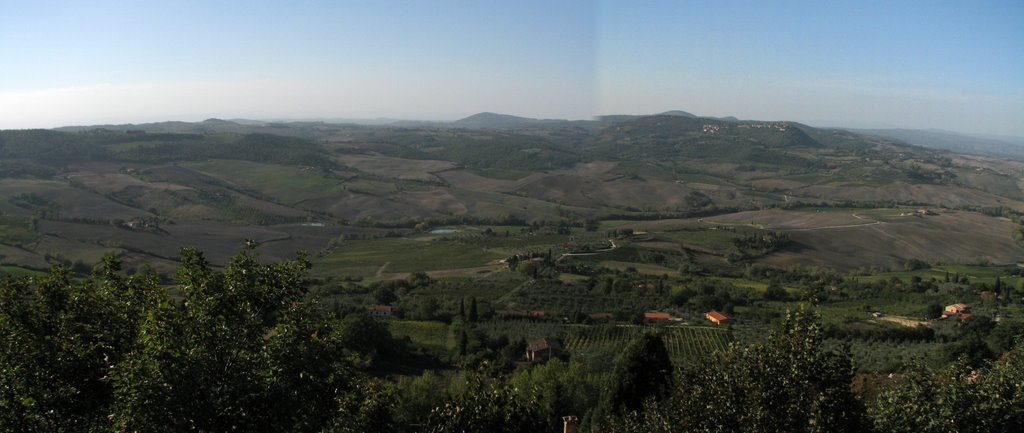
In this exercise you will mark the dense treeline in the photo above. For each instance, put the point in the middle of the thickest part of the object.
(242, 350)
(790, 382)
(53, 148)
(248, 349)
(478, 149)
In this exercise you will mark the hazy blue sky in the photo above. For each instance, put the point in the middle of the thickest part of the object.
(923, 64)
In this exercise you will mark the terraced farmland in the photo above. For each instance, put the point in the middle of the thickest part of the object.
(598, 345)
(685, 344)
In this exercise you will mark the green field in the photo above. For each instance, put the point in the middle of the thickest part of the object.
(363, 258)
(432, 335)
(286, 184)
(979, 274)
(839, 312)
(14, 230)
(16, 271)
(500, 174)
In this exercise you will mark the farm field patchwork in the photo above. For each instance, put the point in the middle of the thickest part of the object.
(599, 344)
(365, 258)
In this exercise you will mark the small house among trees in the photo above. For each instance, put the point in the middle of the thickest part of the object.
(956, 310)
(543, 349)
(718, 318)
(379, 311)
(656, 318)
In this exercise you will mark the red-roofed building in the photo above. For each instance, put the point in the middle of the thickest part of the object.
(956, 309)
(718, 318)
(656, 318)
(543, 349)
(379, 311)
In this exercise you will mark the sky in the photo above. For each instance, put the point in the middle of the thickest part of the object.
(952, 65)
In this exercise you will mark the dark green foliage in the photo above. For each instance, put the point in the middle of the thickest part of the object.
(759, 244)
(697, 199)
(473, 314)
(487, 406)
(364, 338)
(55, 148)
(957, 399)
(642, 371)
(385, 295)
(9, 169)
(1005, 334)
(934, 311)
(479, 149)
(776, 292)
(559, 388)
(913, 264)
(242, 351)
(672, 137)
(787, 384)
(58, 340)
(972, 345)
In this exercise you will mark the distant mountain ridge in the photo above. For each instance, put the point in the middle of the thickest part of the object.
(975, 144)
(499, 121)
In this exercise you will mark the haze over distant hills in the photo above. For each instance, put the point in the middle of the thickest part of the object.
(955, 141)
(976, 144)
(238, 178)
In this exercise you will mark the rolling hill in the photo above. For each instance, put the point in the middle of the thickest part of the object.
(143, 190)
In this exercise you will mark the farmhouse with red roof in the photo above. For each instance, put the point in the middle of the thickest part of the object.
(718, 318)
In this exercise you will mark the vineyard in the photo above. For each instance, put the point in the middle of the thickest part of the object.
(598, 345)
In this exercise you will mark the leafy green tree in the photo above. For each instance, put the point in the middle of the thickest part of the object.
(417, 396)
(58, 340)
(486, 406)
(385, 295)
(364, 338)
(473, 314)
(1005, 335)
(933, 311)
(789, 383)
(775, 292)
(643, 370)
(959, 398)
(559, 388)
(242, 352)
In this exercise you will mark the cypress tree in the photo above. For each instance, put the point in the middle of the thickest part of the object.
(473, 316)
